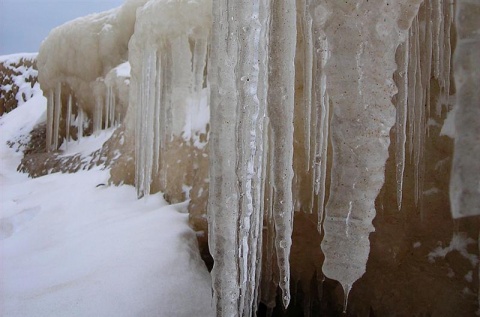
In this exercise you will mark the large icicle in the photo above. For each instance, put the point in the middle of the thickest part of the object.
(237, 142)
(280, 111)
(360, 84)
(465, 180)
(401, 119)
(321, 116)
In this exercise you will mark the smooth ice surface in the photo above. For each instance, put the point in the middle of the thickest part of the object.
(72, 246)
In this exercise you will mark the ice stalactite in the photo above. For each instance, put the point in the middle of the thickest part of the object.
(57, 114)
(111, 116)
(98, 114)
(167, 82)
(68, 120)
(240, 135)
(465, 182)
(312, 116)
(320, 114)
(54, 115)
(145, 119)
(80, 123)
(50, 111)
(359, 72)
(237, 123)
(401, 118)
(280, 110)
(425, 56)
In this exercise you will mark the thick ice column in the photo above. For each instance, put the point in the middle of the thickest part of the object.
(237, 74)
(465, 179)
(363, 41)
(145, 119)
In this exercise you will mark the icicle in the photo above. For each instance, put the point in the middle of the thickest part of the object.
(58, 114)
(437, 18)
(107, 109)
(68, 120)
(237, 143)
(401, 121)
(359, 81)
(322, 119)
(464, 181)
(307, 24)
(50, 111)
(97, 115)
(280, 112)
(419, 121)
(427, 55)
(199, 63)
(145, 123)
(412, 82)
(80, 122)
(158, 133)
(270, 268)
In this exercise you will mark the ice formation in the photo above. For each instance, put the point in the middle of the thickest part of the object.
(102, 40)
(168, 68)
(303, 96)
(465, 179)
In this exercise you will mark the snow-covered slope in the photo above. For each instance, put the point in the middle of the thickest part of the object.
(72, 246)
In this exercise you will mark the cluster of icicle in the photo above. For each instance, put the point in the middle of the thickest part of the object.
(348, 66)
(71, 117)
(425, 55)
(170, 83)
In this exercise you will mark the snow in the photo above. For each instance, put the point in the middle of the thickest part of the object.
(460, 243)
(15, 58)
(448, 127)
(70, 245)
(123, 70)
(86, 145)
(20, 74)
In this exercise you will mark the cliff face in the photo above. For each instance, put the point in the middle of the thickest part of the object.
(325, 130)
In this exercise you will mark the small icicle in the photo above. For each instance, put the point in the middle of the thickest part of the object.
(412, 80)
(58, 114)
(80, 122)
(50, 111)
(419, 125)
(107, 108)
(308, 69)
(97, 115)
(346, 290)
(68, 120)
(401, 120)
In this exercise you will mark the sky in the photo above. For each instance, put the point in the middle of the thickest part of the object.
(25, 23)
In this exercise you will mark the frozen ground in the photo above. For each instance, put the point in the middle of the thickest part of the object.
(72, 246)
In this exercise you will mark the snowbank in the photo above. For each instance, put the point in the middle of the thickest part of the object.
(72, 246)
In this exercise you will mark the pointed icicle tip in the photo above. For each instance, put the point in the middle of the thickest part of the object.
(346, 288)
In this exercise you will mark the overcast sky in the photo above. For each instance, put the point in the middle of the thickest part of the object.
(25, 23)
